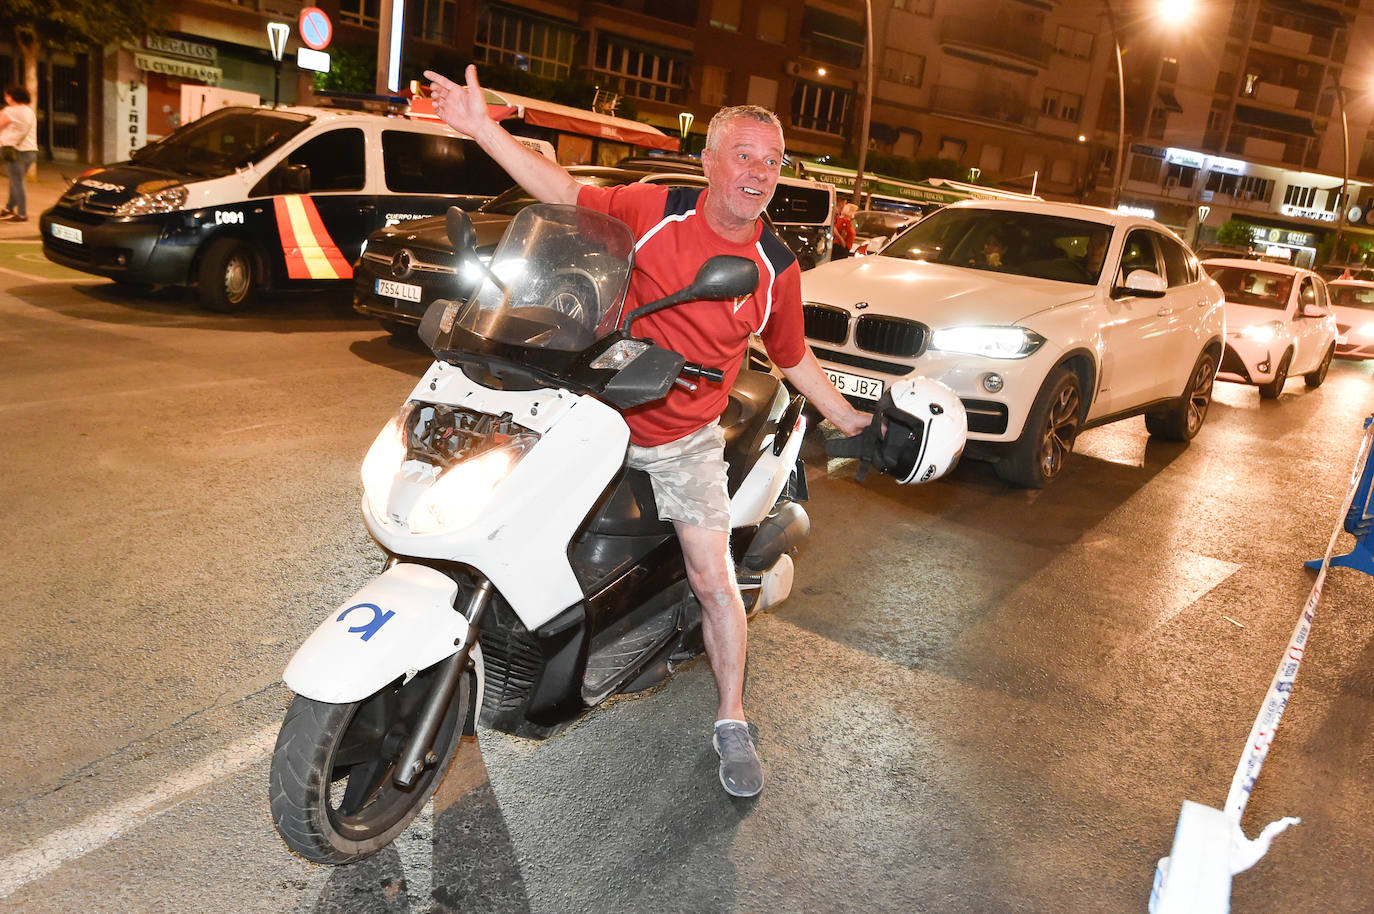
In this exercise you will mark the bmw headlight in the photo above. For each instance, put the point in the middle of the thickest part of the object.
(990, 342)
(1263, 333)
(166, 200)
(466, 488)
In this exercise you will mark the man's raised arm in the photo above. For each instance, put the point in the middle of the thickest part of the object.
(464, 108)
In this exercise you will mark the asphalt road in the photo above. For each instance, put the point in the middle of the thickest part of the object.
(977, 699)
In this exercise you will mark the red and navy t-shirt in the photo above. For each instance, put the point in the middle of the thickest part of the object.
(673, 241)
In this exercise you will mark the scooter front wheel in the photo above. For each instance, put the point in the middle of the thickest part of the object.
(334, 797)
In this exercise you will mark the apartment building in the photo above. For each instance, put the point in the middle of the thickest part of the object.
(1245, 106)
(1235, 112)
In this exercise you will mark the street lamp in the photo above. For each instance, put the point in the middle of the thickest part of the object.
(868, 102)
(276, 40)
(1170, 12)
(1345, 168)
(1120, 105)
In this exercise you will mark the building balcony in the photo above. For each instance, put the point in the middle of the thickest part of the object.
(1001, 108)
(975, 35)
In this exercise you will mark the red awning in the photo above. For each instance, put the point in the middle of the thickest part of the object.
(588, 123)
(540, 113)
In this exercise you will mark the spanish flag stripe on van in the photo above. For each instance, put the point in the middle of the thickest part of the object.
(309, 251)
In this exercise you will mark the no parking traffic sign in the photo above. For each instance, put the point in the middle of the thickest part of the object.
(316, 29)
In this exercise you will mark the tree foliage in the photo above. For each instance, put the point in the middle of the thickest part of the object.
(351, 69)
(1233, 231)
(78, 24)
(74, 25)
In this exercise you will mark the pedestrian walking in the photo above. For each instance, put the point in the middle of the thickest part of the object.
(19, 149)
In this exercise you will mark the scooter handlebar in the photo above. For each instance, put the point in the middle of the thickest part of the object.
(693, 370)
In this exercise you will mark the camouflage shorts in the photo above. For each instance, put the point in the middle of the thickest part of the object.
(688, 477)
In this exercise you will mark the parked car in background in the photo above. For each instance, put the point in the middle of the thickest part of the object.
(1278, 323)
(244, 199)
(1333, 271)
(874, 228)
(1352, 303)
(1044, 318)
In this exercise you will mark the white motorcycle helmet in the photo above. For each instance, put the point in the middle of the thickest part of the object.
(926, 428)
(917, 435)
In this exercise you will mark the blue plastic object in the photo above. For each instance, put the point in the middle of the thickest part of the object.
(1359, 521)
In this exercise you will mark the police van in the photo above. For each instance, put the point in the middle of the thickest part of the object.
(244, 199)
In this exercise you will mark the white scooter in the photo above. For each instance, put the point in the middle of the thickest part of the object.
(527, 575)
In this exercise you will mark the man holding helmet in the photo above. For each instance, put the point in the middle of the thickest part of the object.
(678, 440)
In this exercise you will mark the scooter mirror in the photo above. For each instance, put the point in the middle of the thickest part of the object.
(721, 276)
(725, 276)
(460, 231)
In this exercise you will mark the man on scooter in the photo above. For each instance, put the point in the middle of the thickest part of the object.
(678, 440)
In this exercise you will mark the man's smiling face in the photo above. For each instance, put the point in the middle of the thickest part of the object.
(743, 170)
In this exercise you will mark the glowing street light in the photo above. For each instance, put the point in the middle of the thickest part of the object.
(276, 40)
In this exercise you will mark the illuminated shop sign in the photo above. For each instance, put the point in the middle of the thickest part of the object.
(180, 47)
(1301, 212)
(1227, 166)
(1175, 156)
(185, 69)
(1142, 211)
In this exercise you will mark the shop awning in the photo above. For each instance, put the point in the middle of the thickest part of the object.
(577, 120)
(1275, 120)
(535, 111)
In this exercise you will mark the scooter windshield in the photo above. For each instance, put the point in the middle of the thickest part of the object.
(557, 280)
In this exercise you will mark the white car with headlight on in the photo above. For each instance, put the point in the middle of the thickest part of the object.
(1045, 318)
(1352, 302)
(1278, 324)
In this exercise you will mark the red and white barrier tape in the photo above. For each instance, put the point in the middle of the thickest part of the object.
(1262, 733)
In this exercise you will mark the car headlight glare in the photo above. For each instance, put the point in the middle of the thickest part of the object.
(991, 342)
(1262, 333)
(466, 488)
(167, 200)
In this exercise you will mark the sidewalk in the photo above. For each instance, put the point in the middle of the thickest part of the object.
(43, 190)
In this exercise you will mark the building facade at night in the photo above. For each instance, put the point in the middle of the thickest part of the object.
(1236, 110)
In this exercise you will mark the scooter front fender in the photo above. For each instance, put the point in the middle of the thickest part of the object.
(402, 622)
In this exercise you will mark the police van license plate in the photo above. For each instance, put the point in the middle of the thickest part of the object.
(402, 290)
(855, 385)
(65, 232)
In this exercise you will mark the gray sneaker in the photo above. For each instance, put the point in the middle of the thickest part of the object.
(741, 772)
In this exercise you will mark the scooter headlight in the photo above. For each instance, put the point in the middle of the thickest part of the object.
(466, 488)
(383, 461)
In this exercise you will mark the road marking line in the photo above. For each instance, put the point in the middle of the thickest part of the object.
(50, 852)
(22, 275)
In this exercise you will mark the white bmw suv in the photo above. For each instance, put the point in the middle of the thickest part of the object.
(1045, 319)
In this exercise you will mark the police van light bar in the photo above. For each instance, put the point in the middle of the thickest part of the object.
(362, 101)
